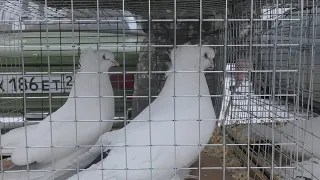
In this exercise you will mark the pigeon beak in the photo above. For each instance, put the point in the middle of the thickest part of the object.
(115, 63)
(210, 67)
(212, 64)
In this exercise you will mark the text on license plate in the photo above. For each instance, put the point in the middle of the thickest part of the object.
(58, 83)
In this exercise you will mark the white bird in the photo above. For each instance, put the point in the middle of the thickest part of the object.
(194, 123)
(299, 135)
(63, 133)
(304, 170)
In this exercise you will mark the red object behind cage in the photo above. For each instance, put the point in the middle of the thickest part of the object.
(117, 81)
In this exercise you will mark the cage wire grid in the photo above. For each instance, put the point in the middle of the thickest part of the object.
(43, 39)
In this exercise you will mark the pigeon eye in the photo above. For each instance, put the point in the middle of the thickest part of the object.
(104, 57)
(206, 55)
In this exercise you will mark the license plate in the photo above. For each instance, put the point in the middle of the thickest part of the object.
(57, 83)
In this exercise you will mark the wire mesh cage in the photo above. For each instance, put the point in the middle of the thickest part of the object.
(263, 86)
(274, 105)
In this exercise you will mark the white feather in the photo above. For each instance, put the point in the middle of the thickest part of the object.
(302, 133)
(12, 138)
(304, 170)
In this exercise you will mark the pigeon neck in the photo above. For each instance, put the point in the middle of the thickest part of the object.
(89, 84)
(184, 67)
(181, 83)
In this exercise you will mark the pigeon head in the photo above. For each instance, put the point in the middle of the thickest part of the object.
(97, 60)
(191, 58)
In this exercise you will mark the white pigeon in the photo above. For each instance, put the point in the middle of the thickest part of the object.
(160, 130)
(299, 135)
(66, 134)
